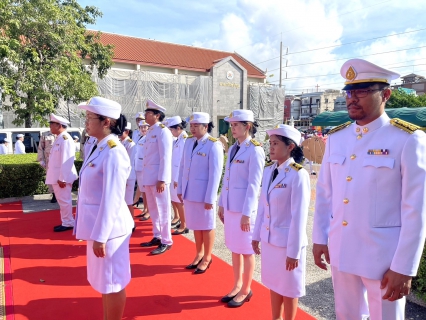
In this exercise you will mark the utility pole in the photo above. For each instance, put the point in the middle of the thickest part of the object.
(281, 62)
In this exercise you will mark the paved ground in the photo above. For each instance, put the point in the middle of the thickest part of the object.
(319, 298)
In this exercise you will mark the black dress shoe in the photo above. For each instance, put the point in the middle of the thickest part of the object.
(133, 229)
(144, 218)
(139, 215)
(200, 271)
(193, 266)
(161, 249)
(234, 304)
(56, 227)
(62, 228)
(53, 199)
(176, 224)
(227, 298)
(154, 242)
(176, 232)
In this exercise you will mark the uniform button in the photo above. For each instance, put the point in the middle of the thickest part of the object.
(353, 157)
(226, 188)
(346, 201)
(227, 178)
(365, 130)
(348, 178)
(359, 136)
(267, 217)
(358, 129)
(267, 228)
(267, 205)
(344, 223)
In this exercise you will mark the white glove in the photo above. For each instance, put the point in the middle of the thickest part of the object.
(43, 164)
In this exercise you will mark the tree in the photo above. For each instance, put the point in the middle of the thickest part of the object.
(400, 99)
(42, 47)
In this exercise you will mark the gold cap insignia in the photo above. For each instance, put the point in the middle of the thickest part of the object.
(191, 118)
(351, 74)
(88, 101)
(231, 115)
(277, 126)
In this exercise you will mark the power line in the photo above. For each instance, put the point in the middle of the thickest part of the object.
(344, 44)
(367, 55)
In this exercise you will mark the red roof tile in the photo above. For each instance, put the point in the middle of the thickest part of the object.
(170, 55)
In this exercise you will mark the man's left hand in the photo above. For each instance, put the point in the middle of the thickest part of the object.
(399, 285)
(208, 206)
(62, 184)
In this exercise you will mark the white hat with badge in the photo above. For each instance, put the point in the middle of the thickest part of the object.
(172, 121)
(143, 123)
(286, 131)
(103, 107)
(199, 117)
(128, 126)
(19, 135)
(140, 115)
(58, 119)
(240, 115)
(153, 106)
(6, 140)
(359, 71)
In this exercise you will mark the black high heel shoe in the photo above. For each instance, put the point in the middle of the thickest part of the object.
(234, 304)
(193, 266)
(137, 203)
(226, 299)
(199, 271)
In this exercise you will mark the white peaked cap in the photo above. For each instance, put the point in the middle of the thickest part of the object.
(153, 106)
(199, 117)
(361, 71)
(140, 115)
(19, 135)
(74, 137)
(128, 126)
(58, 119)
(172, 121)
(6, 140)
(240, 115)
(143, 123)
(103, 107)
(286, 131)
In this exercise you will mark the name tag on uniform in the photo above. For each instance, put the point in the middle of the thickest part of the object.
(238, 161)
(281, 185)
(201, 154)
(153, 136)
(378, 152)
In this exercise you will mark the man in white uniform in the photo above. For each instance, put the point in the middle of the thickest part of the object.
(157, 175)
(43, 151)
(370, 207)
(61, 172)
(136, 133)
(3, 146)
(19, 145)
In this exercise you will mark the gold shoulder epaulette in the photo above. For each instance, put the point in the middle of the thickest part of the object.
(404, 125)
(65, 137)
(112, 144)
(296, 166)
(185, 135)
(130, 140)
(213, 139)
(340, 127)
(190, 136)
(268, 164)
(162, 126)
(255, 143)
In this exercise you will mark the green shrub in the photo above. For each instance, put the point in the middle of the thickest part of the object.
(21, 175)
(419, 282)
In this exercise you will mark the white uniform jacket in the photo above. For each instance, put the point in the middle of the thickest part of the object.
(3, 149)
(177, 153)
(45, 145)
(139, 150)
(102, 213)
(241, 182)
(19, 147)
(283, 208)
(200, 170)
(157, 158)
(88, 146)
(370, 201)
(130, 146)
(61, 160)
(136, 135)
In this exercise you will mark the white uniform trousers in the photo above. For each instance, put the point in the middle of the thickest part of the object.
(160, 210)
(63, 195)
(358, 298)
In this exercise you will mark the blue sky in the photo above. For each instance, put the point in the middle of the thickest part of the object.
(254, 29)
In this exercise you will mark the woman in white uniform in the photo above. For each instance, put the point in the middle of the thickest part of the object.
(199, 177)
(177, 126)
(138, 165)
(103, 218)
(129, 144)
(281, 222)
(238, 202)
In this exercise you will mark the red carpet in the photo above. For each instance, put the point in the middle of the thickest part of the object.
(48, 272)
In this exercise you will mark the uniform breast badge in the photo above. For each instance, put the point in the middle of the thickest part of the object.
(281, 185)
(201, 154)
(378, 152)
(153, 137)
(91, 164)
(238, 161)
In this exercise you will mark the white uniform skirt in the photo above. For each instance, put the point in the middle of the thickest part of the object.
(274, 274)
(130, 190)
(173, 193)
(111, 273)
(237, 240)
(139, 180)
(198, 218)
